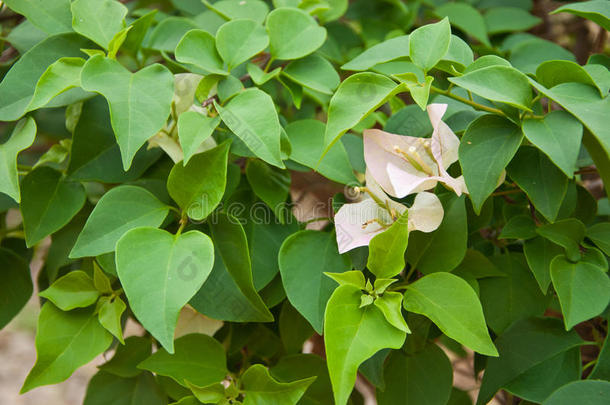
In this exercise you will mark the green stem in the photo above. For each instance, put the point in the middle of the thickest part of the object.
(183, 222)
(268, 65)
(589, 364)
(466, 101)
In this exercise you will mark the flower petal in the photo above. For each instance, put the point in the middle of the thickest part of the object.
(379, 153)
(349, 223)
(404, 183)
(445, 143)
(426, 213)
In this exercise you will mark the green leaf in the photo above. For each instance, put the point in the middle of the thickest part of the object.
(420, 92)
(466, 18)
(568, 233)
(198, 47)
(454, 307)
(508, 19)
(230, 9)
(600, 235)
(19, 84)
(199, 359)
(584, 103)
(294, 330)
(105, 388)
(597, 11)
(385, 51)
(477, 265)
(168, 33)
(387, 250)
(138, 30)
(74, 290)
(554, 72)
(424, 377)
(176, 267)
(390, 304)
(51, 16)
(504, 84)
(451, 238)
(265, 240)
(357, 96)
(16, 287)
(336, 10)
(351, 336)
(592, 392)
(95, 154)
(260, 77)
(239, 40)
(193, 129)
(49, 202)
(65, 341)
(98, 20)
(199, 186)
(539, 252)
(519, 227)
(601, 369)
(429, 43)
(524, 345)
(307, 140)
(21, 138)
(313, 72)
(271, 185)
(490, 142)
(558, 370)
(303, 258)
(231, 277)
(301, 366)
(119, 210)
(512, 297)
(542, 181)
(583, 289)
(139, 102)
(261, 388)
(558, 135)
(110, 312)
(251, 115)
(59, 77)
(293, 33)
(529, 54)
(213, 393)
(127, 357)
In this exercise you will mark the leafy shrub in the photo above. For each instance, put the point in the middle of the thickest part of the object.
(163, 147)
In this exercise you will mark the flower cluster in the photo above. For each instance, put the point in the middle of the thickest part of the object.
(398, 166)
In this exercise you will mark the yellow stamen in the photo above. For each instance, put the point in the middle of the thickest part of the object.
(415, 159)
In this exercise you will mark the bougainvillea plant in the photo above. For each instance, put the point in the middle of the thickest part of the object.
(284, 199)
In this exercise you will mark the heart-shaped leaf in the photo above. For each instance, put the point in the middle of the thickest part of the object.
(119, 210)
(198, 186)
(98, 20)
(139, 102)
(251, 115)
(199, 359)
(198, 47)
(160, 273)
(558, 135)
(293, 33)
(304, 258)
(239, 40)
(352, 335)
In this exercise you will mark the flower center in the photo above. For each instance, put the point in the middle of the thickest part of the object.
(414, 158)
